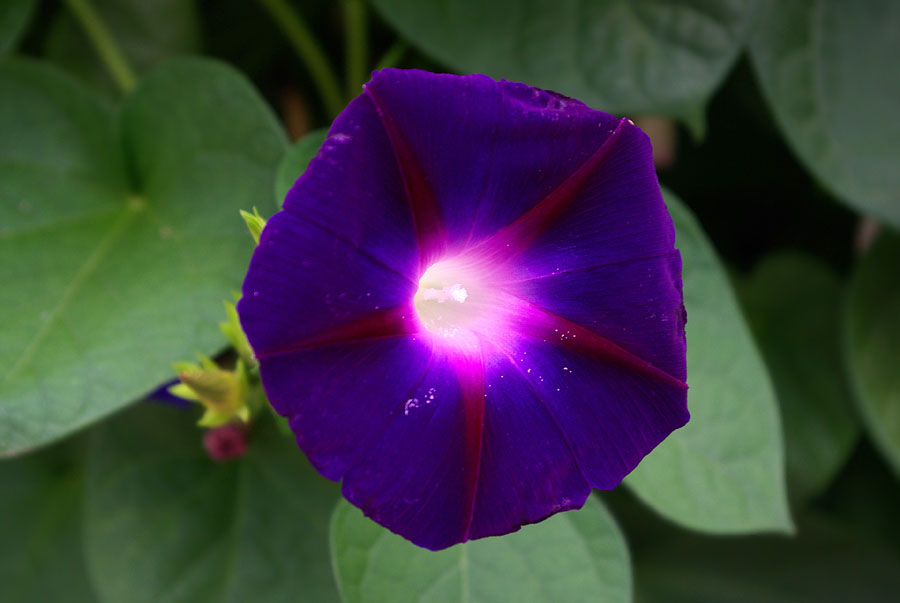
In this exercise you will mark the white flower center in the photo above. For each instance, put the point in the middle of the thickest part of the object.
(450, 300)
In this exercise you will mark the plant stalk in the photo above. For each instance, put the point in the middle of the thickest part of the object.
(309, 51)
(356, 45)
(107, 48)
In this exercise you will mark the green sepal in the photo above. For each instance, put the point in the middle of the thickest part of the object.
(183, 391)
(232, 330)
(255, 223)
(214, 417)
(225, 394)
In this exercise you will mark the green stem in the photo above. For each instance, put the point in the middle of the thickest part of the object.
(356, 47)
(105, 45)
(393, 55)
(309, 51)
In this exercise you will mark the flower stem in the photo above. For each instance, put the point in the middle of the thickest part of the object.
(108, 50)
(356, 47)
(393, 55)
(309, 51)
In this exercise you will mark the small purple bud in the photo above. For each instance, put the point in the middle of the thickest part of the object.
(226, 443)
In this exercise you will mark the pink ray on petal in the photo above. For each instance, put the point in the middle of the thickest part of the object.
(527, 319)
(380, 324)
(517, 236)
(430, 234)
(470, 370)
(505, 317)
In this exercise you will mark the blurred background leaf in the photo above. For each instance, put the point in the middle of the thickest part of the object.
(872, 343)
(824, 563)
(663, 57)
(14, 18)
(793, 304)
(724, 471)
(828, 71)
(865, 497)
(110, 278)
(164, 522)
(573, 556)
(147, 32)
(40, 512)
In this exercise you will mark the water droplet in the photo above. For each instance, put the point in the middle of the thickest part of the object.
(410, 404)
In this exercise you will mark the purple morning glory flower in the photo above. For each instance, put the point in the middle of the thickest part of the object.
(470, 307)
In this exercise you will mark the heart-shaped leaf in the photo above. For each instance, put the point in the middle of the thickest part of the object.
(110, 278)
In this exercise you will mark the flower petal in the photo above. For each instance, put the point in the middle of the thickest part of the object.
(355, 168)
(636, 303)
(549, 354)
(395, 420)
(419, 477)
(340, 397)
(482, 151)
(611, 417)
(528, 469)
(308, 287)
(613, 212)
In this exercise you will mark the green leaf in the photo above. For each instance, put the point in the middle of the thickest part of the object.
(824, 564)
(793, 304)
(107, 283)
(147, 32)
(40, 518)
(623, 57)
(163, 522)
(825, 71)
(724, 471)
(14, 18)
(573, 556)
(872, 343)
(295, 161)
